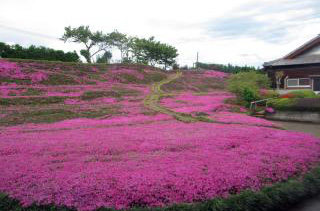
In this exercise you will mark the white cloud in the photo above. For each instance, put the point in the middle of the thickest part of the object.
(237, 32)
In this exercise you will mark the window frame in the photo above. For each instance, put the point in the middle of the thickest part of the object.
(302, 86)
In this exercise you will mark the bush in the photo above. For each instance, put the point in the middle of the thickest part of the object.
(304, 100)
(246, 85)
(265, 93)
(282, 103)
(303, 94)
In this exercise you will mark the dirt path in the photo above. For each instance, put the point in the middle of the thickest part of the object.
(153, 99)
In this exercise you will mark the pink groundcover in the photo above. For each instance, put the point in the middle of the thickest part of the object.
(134, 156)
(153, 164)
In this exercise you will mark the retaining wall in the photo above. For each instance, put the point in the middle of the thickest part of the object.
(297, 116)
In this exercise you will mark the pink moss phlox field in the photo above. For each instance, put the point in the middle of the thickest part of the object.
(119, 72)
(215, 74)
(12, 70)
(88, 123)
(213, 104)
(228, 117)
(188, 102)
(150, 164)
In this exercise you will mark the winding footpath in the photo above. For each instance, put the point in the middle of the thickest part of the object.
(153, 99)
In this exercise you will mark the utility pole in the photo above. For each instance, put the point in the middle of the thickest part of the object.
(197, 60)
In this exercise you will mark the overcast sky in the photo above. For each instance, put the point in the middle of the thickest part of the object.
(223, 31)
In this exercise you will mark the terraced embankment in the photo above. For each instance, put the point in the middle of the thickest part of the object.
(153, 99)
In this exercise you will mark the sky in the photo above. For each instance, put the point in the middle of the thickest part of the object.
(242, 32)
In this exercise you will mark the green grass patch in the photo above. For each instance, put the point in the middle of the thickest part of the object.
(90, 95)
(14, 80)
(31, 100)
(32, 92)
(58, 79)
(116, 92)
(53, 115)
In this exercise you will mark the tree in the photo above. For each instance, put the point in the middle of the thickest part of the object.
(149, 51)
(36, 52)
(94, 42)
(105, 58)
(167, 55)
(122, 42)
(278, 76)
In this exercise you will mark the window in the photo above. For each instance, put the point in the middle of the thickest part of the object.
(298, 82)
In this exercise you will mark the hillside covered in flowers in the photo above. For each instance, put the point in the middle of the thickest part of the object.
(119, 136)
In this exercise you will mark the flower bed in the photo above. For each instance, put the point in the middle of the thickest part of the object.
(152, 164)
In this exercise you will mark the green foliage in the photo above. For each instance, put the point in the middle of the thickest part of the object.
(52, 115)
(304, 94)
(39, 53)
(281, 103)
(32, 92)
(59, 79)
(94, 42)
(246, 85)
(268, 94)
(226, 68)
(277, 197)
(116, 92)
(90, 95)
(149, 51)
(105, 58)
(295, 104)
(123, 43)
(249, 95)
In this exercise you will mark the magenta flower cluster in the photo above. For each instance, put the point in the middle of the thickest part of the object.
(135, 158)
(151, 164)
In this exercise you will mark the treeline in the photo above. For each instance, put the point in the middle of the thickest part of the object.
(227, 68)
(39, 53)
(98, 46)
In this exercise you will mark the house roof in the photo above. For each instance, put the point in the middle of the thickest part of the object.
(293, 59)
(312, 59)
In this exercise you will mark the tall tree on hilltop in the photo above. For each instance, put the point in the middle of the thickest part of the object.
(120, 41)
(94, 42)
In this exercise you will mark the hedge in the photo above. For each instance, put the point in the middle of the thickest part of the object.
(295, 104)
(277, 197)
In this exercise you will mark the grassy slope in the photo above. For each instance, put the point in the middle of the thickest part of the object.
(43, 101)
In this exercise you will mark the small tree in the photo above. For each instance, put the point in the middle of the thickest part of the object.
(122, 42)
(105, 58)
(94, 42)
(278, 76)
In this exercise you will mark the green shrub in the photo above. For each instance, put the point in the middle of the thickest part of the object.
(264, 93)
(304, 94)
(246, 85)
(281, 103)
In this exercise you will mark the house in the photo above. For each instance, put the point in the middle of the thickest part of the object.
(300, 69)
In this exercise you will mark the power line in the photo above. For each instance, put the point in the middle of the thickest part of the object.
(28, 32)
